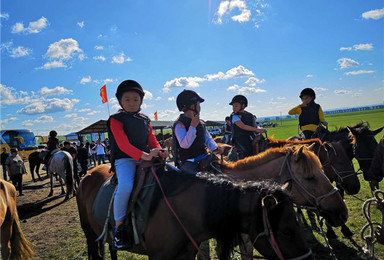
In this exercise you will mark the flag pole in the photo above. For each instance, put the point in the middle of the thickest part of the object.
(109, 114)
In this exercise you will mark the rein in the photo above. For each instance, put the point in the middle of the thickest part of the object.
(317, 200)
(176, 216)
(268, 232)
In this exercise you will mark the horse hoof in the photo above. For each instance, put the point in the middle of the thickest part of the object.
(50, 195)
(34, 180)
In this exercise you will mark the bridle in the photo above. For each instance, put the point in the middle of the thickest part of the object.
(268, 232)
(340, 174)
(315, 204)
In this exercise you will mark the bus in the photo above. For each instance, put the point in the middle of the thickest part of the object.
(22, 139)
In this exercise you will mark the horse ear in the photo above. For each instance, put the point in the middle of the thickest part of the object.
(352, 130)
(269, 201)
(299, 153)
(310, 147)
(378, 130)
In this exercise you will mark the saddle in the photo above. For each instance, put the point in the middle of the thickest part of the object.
(138, 205)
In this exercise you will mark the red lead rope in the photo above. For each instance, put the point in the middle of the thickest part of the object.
(174, 213)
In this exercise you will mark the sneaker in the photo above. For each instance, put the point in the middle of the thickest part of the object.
(44, 167)
(120, 241)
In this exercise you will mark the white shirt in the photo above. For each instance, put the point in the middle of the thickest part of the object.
(100, 149)
(186, 139)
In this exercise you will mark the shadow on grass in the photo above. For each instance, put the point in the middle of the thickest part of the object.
(36, 208)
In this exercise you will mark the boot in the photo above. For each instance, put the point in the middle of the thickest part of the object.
(120, 241)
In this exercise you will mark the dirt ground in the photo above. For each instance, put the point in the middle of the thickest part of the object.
(52, 225)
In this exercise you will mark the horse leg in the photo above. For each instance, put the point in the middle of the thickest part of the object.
(346, 231)
(330, 233)
(32, 169)
(5, 238)
(37, 171)
(51, 182)
(246, 247)
(312, 220)
(94, 250)
(112, 252)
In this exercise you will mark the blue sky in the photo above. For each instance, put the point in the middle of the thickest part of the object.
(56, 55)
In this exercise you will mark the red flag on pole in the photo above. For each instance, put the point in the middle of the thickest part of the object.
(155, 116)
(103, 94)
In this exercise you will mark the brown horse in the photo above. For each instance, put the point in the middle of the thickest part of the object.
(209, 207)
(14, 245)
(299, 171)
(334, 159)
(376, 171)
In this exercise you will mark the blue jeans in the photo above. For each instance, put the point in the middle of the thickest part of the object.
(99, 158)
(125, 171)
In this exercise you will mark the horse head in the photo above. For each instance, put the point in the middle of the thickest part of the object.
(310, 187)
(279, 234)
(365, 145)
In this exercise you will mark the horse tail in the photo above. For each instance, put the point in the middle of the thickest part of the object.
(69, 174)
(20, 246)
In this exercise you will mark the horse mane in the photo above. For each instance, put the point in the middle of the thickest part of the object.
(255, 160)
(310, 161)
(273, 140)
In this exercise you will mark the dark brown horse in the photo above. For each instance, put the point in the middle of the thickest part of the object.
(376, 171)
(14, 245)
(334, 159)
(299, 171)
(209, 207)
(34, 165)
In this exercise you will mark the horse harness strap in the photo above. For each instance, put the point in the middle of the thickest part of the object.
(268, 232)
(292, 177)
(176, 216)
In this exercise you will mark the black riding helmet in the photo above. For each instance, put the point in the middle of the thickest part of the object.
(308, 92)
(187, 98)
(240, 99)
(129, 85)
(53, 133)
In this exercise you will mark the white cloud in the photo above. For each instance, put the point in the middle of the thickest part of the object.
(358, 47)
(64, 49)
(245, 90)
(27, 123)
(113, 100)
(357, 72)
(23, 92)
(309, 76)
(281, 98)
(48, 106)
(158, 98)
(40, 119)
(9, 96)
(7, 121)
(347, 63)
(148, 95)
(85, 80)
(44, 91)
(93, 113)
(15, 52)
(193, 82)
(4, 16)
(319, 89)
(120, 58)
(53, 64)
(171, 98)
(33, 27)
(167, 114)
(226, 7)
(84, 110)
(102, 58)
(98, 47)
(70, 115)
(374, 14)
(20, 52)
(116, 107)
(342, 92)
(252, 81)
(80, 24)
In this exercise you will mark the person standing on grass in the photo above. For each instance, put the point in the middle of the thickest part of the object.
(92, 150)
(310, 113)
(16, 169)
(71, 149)
(100, 152)
(4, 156)
(82, 153)
(131, 141)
